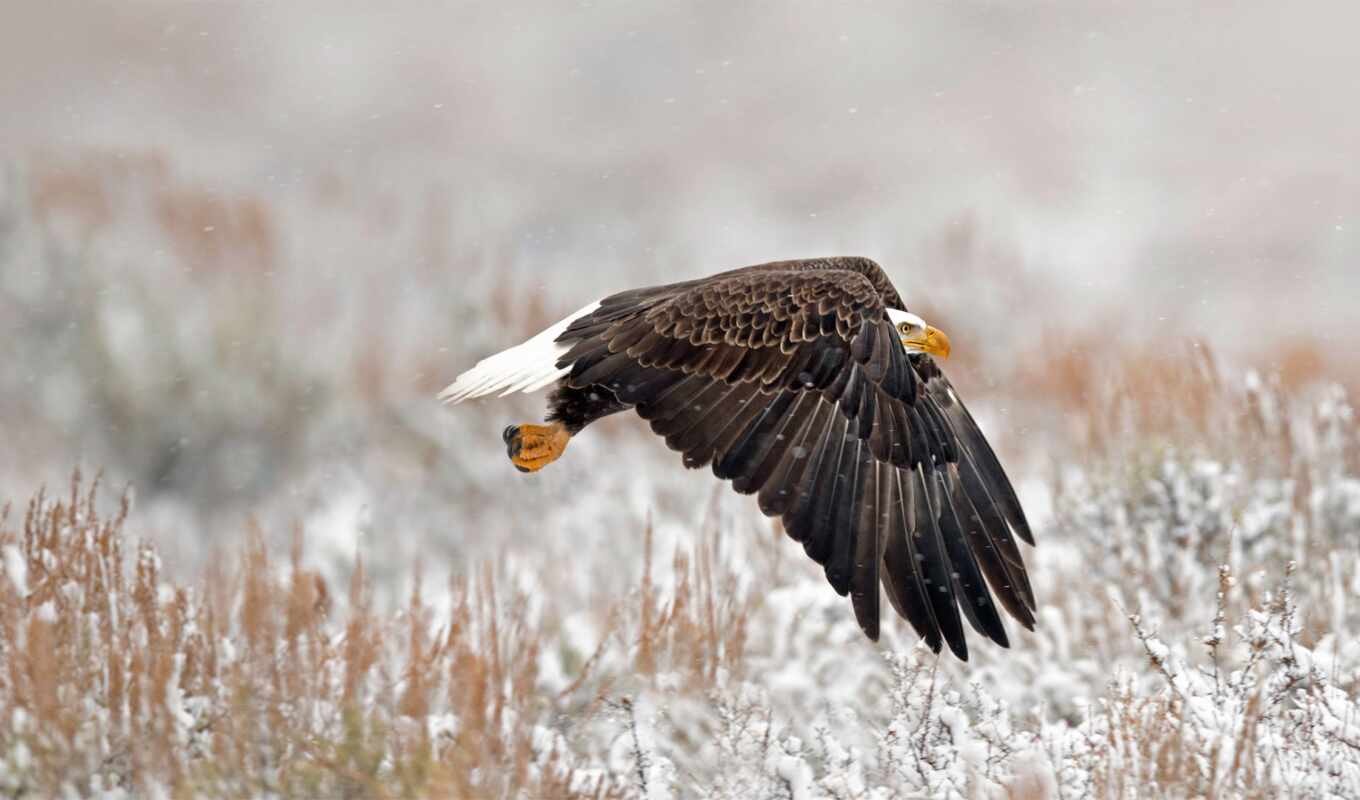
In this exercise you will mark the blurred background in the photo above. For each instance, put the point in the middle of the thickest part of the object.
(242, 246)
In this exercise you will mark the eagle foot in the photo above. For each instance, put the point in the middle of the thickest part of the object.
(533, 447)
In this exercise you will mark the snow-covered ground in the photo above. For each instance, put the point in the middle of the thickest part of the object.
(643, 637)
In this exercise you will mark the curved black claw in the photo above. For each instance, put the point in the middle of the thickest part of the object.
(513, 443)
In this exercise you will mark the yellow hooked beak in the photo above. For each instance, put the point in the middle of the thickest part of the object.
(929, 340)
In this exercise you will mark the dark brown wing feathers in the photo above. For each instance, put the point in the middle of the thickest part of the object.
(788, 378)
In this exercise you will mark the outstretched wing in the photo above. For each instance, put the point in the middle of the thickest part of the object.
(791, 382)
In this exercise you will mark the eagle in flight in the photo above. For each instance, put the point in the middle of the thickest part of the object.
(808, 384)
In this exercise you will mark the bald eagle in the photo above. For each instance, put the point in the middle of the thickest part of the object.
(808, 384)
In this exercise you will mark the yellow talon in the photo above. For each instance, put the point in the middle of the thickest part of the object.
(533, 447)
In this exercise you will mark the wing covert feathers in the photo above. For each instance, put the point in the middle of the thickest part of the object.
(789, 380)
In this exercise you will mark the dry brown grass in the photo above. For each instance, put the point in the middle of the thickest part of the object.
(701, 624)
(246, 682)
(1108, 402)
(208, 230)
(1103, 397)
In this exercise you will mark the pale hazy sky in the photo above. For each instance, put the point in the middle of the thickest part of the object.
(1197, 158)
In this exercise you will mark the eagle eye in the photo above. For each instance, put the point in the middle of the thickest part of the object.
(905, 327)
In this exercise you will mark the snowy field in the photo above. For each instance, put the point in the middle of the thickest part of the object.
(657, 639)
(242, 248)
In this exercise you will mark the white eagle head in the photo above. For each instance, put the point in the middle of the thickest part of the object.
(917, 336)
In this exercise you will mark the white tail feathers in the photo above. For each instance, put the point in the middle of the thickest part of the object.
(524, 368)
